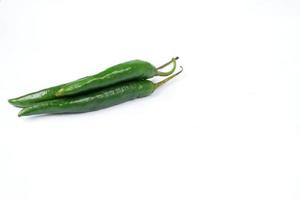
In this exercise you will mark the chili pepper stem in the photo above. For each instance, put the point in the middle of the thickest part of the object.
(167, 79)
(169, 72)
(166, 64)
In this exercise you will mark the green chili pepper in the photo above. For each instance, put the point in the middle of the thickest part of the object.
(104, 98)
(136, 69)
(131, 70)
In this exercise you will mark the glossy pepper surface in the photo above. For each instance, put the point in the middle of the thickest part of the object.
(97, 100)
(131, 70)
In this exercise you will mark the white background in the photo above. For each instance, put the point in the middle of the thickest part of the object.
(226, 128)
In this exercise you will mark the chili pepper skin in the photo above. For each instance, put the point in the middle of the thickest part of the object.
(97, 100)
(132, 70)
(35, 97)
(94, 101)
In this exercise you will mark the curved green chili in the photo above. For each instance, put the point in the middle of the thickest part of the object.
(104, 98)
(135, 69)
(131, 70)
